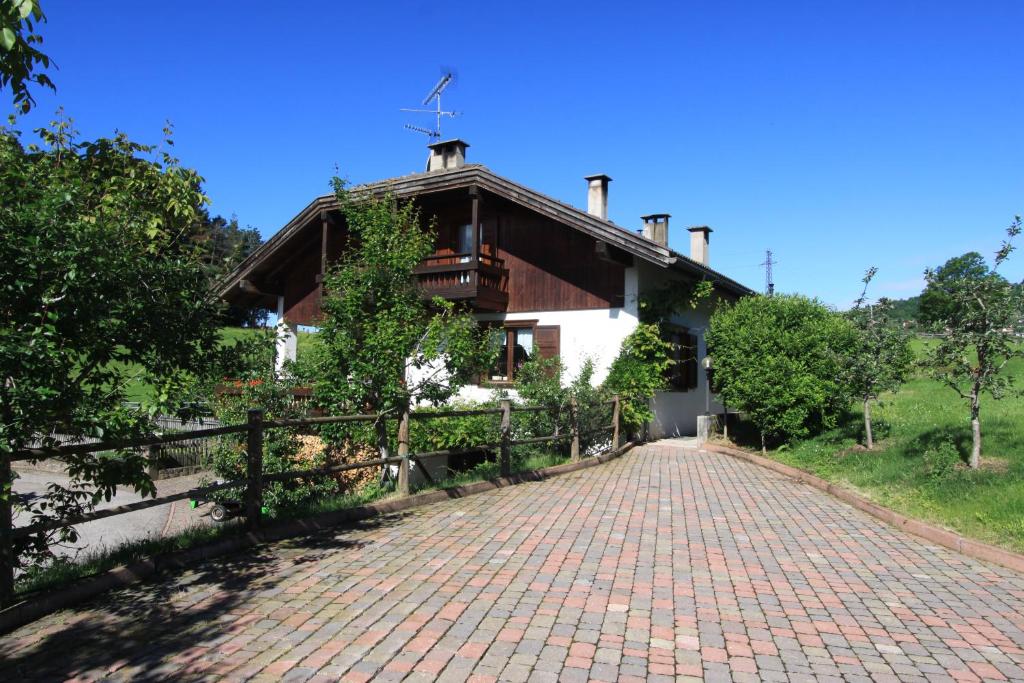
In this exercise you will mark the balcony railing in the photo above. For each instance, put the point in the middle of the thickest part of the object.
(482, 282)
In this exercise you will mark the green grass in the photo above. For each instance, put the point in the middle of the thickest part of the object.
(987, 505)
(138, 390)
(64, 571)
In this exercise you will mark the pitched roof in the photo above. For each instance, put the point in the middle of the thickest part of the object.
(417, 184)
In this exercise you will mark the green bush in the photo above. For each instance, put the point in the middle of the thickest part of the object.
(637, 373)
(540, 385)
(780, 360)
(941, 461)
(437, 434)
(282, 448)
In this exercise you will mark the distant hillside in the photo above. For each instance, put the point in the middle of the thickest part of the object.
(906, 310)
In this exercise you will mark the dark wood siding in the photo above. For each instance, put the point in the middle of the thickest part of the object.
(552, 267)
(301, 289)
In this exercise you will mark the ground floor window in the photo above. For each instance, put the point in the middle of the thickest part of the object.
(515, 347)
(682, 374)
(516, 343)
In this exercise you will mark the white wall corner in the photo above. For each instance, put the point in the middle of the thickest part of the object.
(286, 344)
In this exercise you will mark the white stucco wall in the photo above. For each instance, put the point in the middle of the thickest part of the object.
(675, 412)
(597, 334)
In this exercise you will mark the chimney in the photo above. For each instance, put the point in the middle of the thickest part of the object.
(597, 195)
(699, 237)
(447, 155)
(656, 227)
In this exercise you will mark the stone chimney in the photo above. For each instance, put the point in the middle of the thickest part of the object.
(447, 155)
(699, 237)
(597, 195)
(656, 227)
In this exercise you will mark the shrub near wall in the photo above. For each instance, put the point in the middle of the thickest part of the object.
(780, 360)
(637, 373)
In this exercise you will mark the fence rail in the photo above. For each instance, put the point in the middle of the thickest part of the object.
(254, 481)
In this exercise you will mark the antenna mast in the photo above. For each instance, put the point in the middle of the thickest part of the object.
(435, 95)
(769, 283)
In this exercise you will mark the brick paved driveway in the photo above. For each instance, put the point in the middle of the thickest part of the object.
(667, 562)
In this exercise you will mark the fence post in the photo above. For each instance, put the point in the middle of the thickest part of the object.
(254, 469)
(403, 453)
(153, 461)
(505, 456)
(7, 558)
(574, 417)
(615, 422)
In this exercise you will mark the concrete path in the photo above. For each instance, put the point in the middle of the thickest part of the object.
(113, 531)
(665, 563)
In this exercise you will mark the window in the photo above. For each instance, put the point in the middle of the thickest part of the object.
(682, 374)
(515, 347)
(519, 342)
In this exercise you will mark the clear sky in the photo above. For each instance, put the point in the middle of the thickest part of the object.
(839, 134)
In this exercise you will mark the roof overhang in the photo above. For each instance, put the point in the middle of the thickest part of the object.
(475, 175)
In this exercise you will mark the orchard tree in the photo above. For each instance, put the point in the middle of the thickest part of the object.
(20, 57)
(780, 360)
(978, 342)
(383, 346)
(881, 358)
(101, 281)
(937, 302)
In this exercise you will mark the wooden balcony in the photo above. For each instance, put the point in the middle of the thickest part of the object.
(481, 281)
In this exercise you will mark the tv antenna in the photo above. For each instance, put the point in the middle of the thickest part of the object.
(769, 283)
(435, 96)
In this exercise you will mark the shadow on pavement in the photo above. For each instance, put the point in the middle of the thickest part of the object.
(160, 626)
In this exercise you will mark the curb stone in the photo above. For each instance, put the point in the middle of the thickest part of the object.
(38, 606)
(929, 532)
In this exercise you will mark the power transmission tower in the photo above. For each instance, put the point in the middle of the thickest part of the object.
(769, 283)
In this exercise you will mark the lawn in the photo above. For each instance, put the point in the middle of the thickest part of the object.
(987, 505)
(137, 389)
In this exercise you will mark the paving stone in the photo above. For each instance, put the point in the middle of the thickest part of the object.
(666, 562)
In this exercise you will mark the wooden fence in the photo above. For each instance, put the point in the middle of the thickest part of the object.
(255, 479)
(177, 458)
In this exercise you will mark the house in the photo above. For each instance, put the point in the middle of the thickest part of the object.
(557, 280)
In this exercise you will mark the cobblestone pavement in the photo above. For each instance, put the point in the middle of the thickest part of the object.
(665, 563)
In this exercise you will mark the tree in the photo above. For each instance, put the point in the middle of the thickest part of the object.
(100, 281)
(20, 59)
(224, 244)
(384, 347)
(881, 358)
(982, 310)
(780, 360)
(937, 302)
(905, 313)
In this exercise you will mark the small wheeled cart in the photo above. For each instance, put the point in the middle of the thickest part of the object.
(221, 511)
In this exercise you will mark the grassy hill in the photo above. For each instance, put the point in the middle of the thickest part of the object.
(139, 390)
(987, 504)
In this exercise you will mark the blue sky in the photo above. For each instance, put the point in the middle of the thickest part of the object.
(840, 135)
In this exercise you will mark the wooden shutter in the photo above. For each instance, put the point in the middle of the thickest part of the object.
(691, 362)
(546, 340)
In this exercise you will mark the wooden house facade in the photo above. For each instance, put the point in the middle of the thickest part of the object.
(557, 280)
